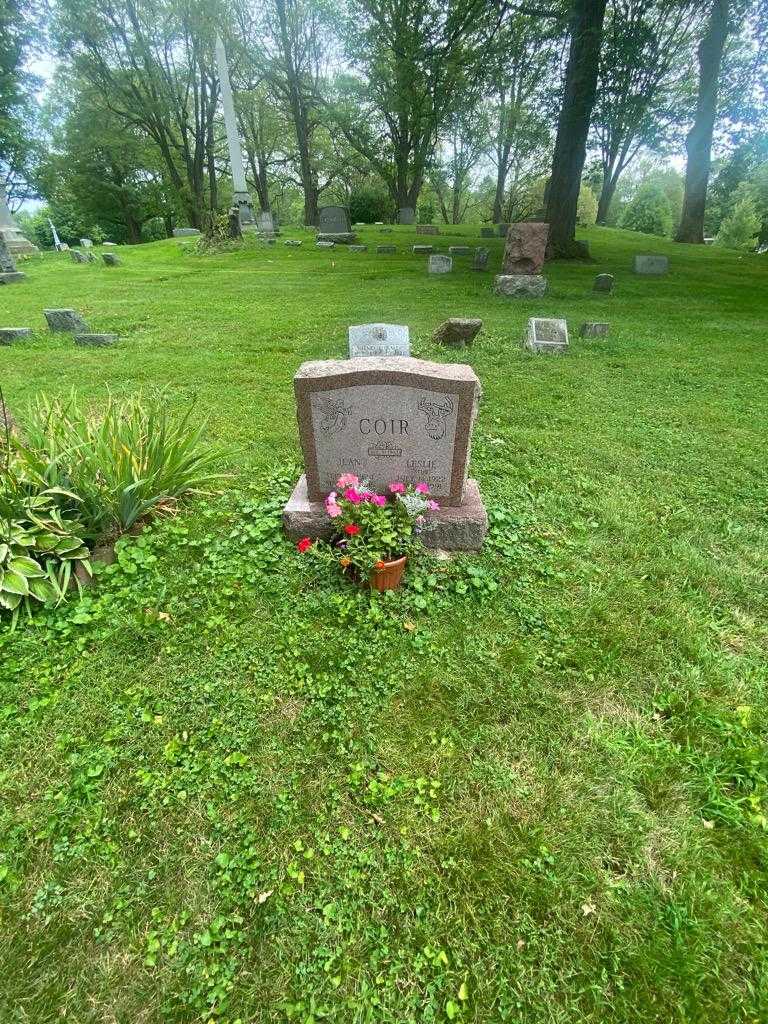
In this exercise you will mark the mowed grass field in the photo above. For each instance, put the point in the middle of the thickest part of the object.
(530, 787)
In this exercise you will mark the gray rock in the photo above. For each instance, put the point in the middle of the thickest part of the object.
(520, 286)
(65, 320)
(525, 248)
(546, 335)
(110, 260)
(185, 232)
(385, 419)
(358, 248)
(480, 262)
(294, 243)
(406, 215)
(460, 250)
(366, 340)
(386, 250)
(452, 528)
(339, 237)
(95, 340)
(422, 250)
(592, 329)
(651, 264)
(439, 264)
(427, 229)
(604, 283)
(334, 220)
(487, 233)
(457, 332)
(10, 334)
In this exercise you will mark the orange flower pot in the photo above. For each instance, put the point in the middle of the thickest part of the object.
(389, 576)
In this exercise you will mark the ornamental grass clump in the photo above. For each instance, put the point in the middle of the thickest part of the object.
(133, 458)
(372, 530)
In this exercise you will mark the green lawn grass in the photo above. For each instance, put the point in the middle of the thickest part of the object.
(530, 787)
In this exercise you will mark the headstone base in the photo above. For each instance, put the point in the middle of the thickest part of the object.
(17, 244)
(456, 528)
(340, 237)
(13, 277)
(520, 286)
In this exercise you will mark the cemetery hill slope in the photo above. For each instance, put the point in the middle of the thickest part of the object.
(529, 786)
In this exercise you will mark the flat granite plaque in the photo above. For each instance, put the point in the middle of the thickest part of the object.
(652, 264)
(386, 419)
(366, 340)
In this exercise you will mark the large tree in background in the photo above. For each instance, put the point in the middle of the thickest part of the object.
(586, 30)
(417, 63)
(153, 63)
(18, 142)
(643, 71)
(698, 143)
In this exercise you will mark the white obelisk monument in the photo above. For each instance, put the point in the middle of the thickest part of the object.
(241, 198)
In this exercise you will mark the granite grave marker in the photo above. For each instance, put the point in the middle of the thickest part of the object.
(366, 340)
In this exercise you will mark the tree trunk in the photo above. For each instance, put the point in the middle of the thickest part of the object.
(586, 30)
(698, 143)
(607, 192)
(498, 198)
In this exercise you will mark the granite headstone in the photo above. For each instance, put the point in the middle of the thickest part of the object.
(366, 340)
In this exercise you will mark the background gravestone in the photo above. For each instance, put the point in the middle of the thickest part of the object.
(422, 250)
(460, 250)
(604, 283)
(406, 215)
(386, 250)
(65, 320)
(8, 272)
(502, 230)
(110, 260)
(185, 232)
(387, 419)
(95, 340)
(547, 335)
(457, 332)
(334, 220)
(366, 340)
(427, 229)
(480, 261)
(524, 254)
(10, 334)
(265, 223)
(651, 264)
(486, 233)
(87, 243)
(593, 329)
(440, 264)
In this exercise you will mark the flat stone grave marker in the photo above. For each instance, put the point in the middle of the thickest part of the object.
(95, 340)
(457, 332)
(294, 243)
(604, 283)
(427, 229)
(65, 320)
(334, 220)
(480, 262)
(324, 244)
(651, 264)
(386, 250)
(406, 215)
(366, 340)
(440, 264)
(520, 286)
(110, 260)
(185, 232)
(460, 250)
(358, 248)
(593, 329)
(10, 334)
(423, 250)
(8, 272)
(547, 335)
(486, 232)
(110, 244)
(388, 420)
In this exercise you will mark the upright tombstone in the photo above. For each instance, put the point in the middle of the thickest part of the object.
(240, 196)
(427, 229)
(480, 262)
(367, 340)
(87, 243)
(422, 250)
(16, 243)
(388, 420)
(265, 222)
(406, 215)
(523, 259)
(546, 335)
(8, 272)
(335, 225)
(438, 264)
(651, 264)
(65, 320)
(110, 260)
(604, 283)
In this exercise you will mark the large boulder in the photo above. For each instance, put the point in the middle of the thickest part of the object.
(525, 248)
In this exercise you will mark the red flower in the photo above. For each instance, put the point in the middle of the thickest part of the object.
(304, 545)
(351, 529)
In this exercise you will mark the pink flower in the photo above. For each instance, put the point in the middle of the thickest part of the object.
(379, 499)
(432, 506)
(421, 488)
(333, 510)
(347, 480)
(397, 488)
(352, 495)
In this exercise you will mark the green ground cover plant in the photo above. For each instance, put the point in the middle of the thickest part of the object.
(529, 786)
